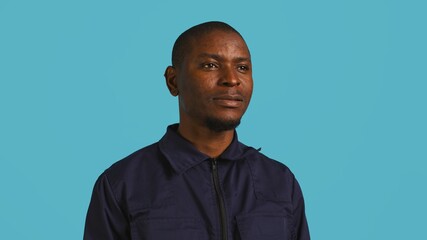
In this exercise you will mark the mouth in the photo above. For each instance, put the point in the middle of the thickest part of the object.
(229, 100)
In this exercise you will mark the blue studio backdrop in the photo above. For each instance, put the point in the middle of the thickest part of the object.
(340, 97)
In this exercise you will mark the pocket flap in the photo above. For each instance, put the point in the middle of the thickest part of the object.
(263, 227)
(165, 229)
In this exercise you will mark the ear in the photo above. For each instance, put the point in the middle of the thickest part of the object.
(170, 77)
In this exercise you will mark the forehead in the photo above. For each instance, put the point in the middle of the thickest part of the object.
(219, 42)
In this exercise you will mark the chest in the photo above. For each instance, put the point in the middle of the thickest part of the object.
(222, 200)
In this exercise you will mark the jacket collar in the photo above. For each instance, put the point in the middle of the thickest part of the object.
(182, 155)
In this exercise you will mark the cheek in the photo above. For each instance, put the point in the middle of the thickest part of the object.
(190, 100)
(248, 88)
(197, 89)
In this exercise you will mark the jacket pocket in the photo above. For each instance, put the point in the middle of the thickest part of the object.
(166, 229)
(264, 227)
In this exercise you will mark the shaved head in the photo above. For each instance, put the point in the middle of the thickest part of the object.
(184, 42)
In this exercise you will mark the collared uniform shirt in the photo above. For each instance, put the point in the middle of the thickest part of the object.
(170, 190)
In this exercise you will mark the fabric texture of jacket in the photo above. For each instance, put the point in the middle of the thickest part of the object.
(170, 190)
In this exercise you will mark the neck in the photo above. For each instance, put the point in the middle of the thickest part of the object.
(205, 140)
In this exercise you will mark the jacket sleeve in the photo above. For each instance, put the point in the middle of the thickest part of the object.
(300, 221)
(105, 219)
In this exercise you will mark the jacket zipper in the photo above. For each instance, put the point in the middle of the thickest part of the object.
(220, 200)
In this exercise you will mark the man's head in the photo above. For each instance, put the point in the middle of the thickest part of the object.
(211, 73)
(184, 41)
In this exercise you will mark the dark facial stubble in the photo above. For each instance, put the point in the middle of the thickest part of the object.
(220, 125)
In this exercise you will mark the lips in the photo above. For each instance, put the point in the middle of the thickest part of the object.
(229, 100)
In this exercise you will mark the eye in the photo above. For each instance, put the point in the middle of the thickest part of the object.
(243, 68)
(209, 66)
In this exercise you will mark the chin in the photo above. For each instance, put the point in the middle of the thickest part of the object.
(220, 125)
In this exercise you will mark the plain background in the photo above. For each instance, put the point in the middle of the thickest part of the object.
(340, 97)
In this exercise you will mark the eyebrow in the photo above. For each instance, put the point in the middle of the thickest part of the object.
(218, 57)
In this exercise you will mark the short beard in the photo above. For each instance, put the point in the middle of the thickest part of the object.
(219, 125)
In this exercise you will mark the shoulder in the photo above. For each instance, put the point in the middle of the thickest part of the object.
(263, 164)
(136, 165)
(273, 180)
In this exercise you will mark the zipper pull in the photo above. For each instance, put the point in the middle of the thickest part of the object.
(214, 164)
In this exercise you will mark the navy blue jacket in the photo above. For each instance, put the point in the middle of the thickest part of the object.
(170, 190)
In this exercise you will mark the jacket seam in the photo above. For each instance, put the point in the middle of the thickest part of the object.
(252, 178)
(115, 197)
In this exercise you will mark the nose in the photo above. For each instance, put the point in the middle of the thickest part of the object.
(229, 77)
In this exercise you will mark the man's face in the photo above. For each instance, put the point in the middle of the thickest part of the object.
(214, 81)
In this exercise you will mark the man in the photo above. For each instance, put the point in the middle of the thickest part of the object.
(199, 182)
